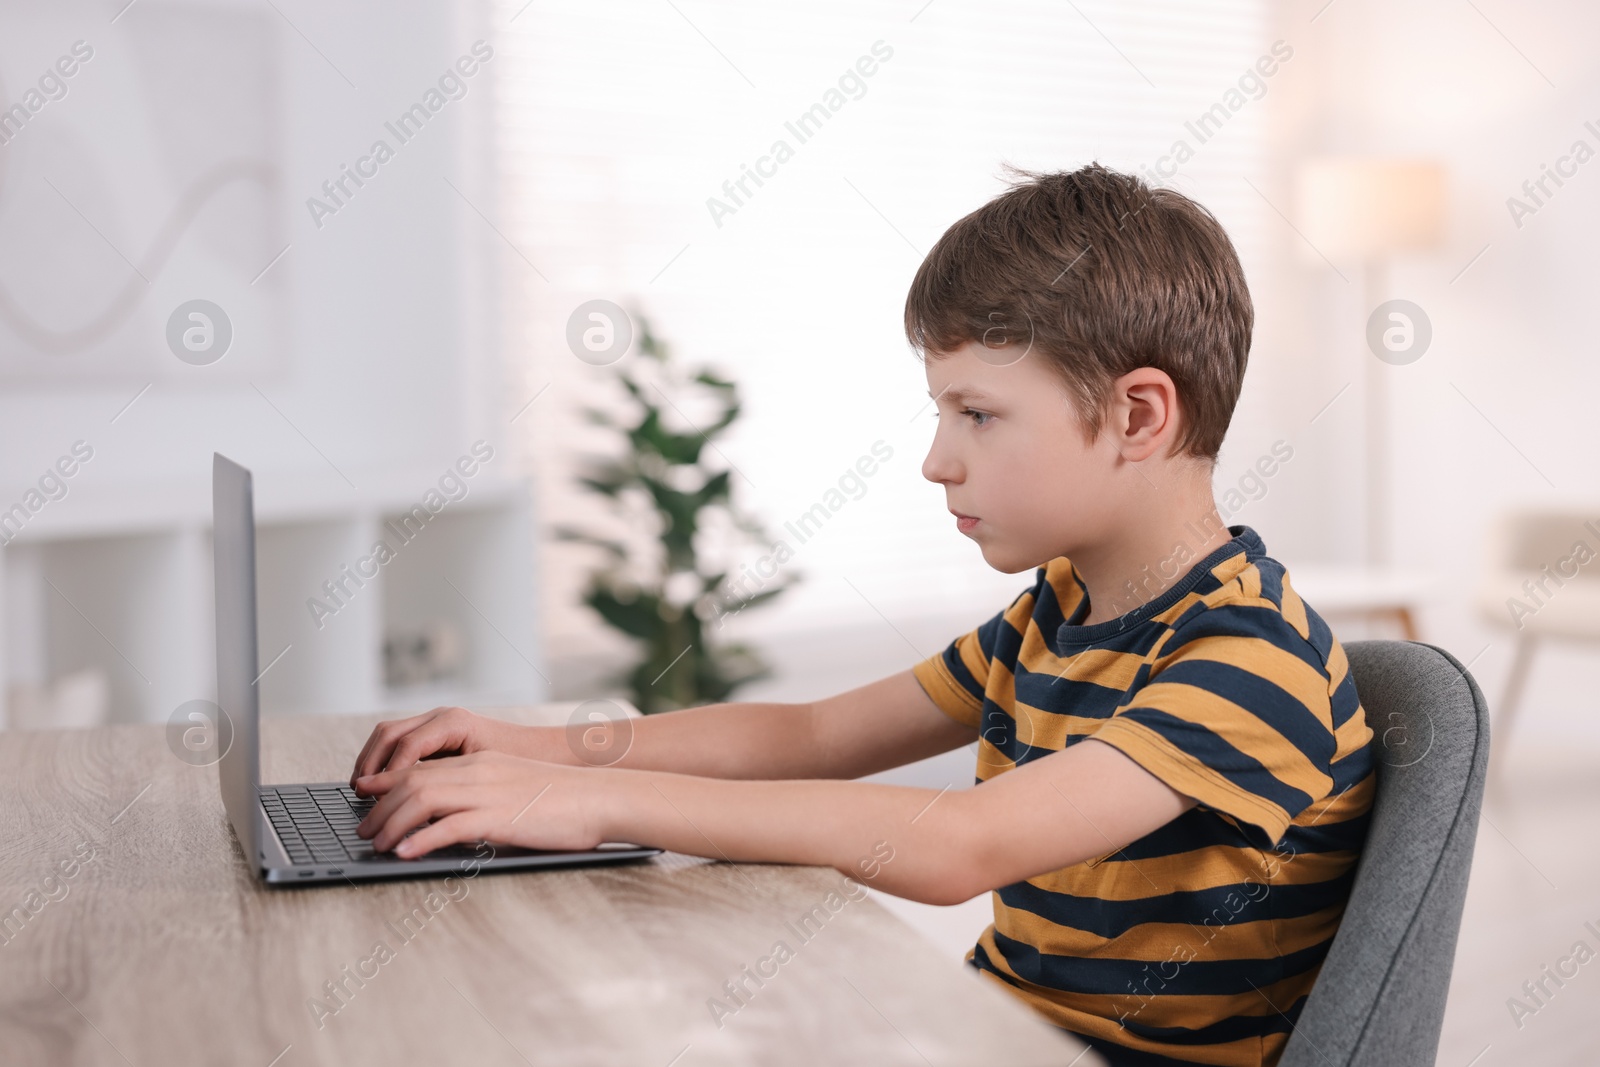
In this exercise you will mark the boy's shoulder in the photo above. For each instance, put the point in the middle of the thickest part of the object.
(1240, 591)
(1226, 685)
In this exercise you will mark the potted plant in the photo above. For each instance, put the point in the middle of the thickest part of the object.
(672, 597)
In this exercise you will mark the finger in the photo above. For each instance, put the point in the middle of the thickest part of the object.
(391, 789)
(406, 815)
(436, 735)
(376, 785)
(464, 826)
(397, 734)
(382, 738)
(414, 812)
(357, 769)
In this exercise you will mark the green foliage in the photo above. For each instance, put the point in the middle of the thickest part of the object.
(681, 666)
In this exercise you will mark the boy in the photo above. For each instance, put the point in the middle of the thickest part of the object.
(1173, 766)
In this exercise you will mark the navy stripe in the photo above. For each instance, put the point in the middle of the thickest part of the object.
(1326, 836)
(1242, 770)
(1046, 605)
(1275, 706)
(1196, 829)
(1231, 1029)
(1352, 770)
(998, 637)
(1138, 640)
(1271, 582)
(1200, 828)
(1066, 695)
(1287, 712)
(1321, 636)
(1205, 909)
(1239, 620)
(1080, 606)
(958, 670)
(1113, 977)
(1344, 700)
(1117, 1056)
(1190, 614)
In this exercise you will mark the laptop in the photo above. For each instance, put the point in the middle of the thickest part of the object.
(306, 833)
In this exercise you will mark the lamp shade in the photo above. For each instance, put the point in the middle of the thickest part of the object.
(1365, 209)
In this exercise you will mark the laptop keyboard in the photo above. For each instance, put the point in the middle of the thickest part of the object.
(317, 824)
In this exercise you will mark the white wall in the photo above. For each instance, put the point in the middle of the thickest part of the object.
(364, 361)
(387, 313)
(623, 122)
(1497, 414)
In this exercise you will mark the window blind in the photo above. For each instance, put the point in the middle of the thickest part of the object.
(627, 128)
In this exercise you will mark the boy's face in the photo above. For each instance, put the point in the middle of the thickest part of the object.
(1011, 454)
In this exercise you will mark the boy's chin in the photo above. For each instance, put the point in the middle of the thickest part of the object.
(1008, 561)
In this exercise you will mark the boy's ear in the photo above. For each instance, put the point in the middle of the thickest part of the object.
(1144, 413)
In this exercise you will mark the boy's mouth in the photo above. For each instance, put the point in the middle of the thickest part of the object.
(965, 523)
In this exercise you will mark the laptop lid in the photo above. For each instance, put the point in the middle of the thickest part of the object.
(233, 540)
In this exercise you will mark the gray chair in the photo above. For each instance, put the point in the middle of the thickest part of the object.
(1379, 999)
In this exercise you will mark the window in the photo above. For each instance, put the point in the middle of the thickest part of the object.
(622, 121)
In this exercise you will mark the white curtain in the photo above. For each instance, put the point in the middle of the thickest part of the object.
(620, 121)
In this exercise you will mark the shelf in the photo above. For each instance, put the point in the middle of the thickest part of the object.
(100, 628)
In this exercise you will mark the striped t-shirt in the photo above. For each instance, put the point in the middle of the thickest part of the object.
(1199, 942)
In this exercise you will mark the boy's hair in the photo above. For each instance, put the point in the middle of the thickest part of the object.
(1101, 274)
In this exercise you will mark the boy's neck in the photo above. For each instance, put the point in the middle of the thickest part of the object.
(1144, 560)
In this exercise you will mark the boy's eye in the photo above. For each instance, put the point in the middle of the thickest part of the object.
(978, 417)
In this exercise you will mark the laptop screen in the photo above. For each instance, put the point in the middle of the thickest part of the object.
(233, 538)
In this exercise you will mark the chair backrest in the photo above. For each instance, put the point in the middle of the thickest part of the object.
(1524, 541)
(1380, 996)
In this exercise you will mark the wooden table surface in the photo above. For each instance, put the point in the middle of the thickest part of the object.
(132, 933)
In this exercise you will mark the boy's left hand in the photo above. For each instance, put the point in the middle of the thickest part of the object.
(484, 796)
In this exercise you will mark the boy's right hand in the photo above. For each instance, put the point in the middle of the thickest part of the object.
(397, 745)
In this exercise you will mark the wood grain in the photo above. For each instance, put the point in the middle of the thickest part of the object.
(162, 949)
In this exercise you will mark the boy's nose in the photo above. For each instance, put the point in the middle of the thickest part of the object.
(939, 467)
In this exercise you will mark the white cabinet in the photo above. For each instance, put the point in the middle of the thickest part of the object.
(110, 619)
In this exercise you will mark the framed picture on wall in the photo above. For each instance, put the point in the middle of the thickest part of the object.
(140, 189)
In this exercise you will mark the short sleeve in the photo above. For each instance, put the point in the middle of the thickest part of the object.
(957, 678)
(1236, 714)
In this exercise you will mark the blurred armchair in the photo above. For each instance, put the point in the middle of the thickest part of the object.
(1540, 581)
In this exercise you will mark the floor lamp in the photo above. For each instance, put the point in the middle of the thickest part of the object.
(1369, 211)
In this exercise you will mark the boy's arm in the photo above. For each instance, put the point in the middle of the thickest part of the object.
(947, 846)
(871, 728)
(934, 846)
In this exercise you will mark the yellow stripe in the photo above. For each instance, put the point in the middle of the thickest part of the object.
(1341, 807)
(1353, 735)
(1249, 580)
(1338, 666)
(946, 692)
(1234, 934)
(1102, 666)
(1191, 777)
(972, 657)
(991, 761)
(1262, 658)
(1058, 573)
(1234, 724)
(1047, 729)
(1098, 1015)
(1228, 933)
(1116, 878)
(1020, 614)
(1293, 609)
(1231, 568)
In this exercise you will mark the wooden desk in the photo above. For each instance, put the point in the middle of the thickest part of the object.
(162, 949)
